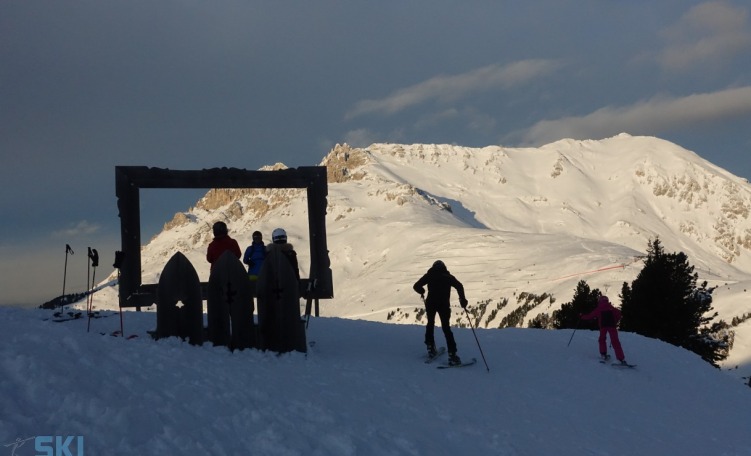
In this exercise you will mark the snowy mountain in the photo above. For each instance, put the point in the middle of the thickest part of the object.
(519, 227)
(361, 390)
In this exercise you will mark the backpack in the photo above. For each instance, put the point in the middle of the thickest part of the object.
(607, 320)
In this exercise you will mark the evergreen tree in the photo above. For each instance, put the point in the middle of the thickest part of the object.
(541, 321)
(583, 301)
(663, 302)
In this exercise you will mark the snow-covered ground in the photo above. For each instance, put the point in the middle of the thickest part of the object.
(361, 390)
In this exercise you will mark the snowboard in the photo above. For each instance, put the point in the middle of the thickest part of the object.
(229, 304)
(179, 307)
(280, 326)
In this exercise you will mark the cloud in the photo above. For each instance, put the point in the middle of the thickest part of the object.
(80, 228)
(431, 119)
(470, 117)
(450, 88)
(361, 137)
(712, 31)
(651, 117)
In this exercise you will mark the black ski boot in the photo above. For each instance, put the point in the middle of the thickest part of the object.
(454, 360)
(432, 351)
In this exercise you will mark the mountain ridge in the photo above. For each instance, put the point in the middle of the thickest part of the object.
(516, 225)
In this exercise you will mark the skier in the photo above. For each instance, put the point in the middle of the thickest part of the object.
(608, 318)
(221, 243)
(254, 255)
(439, 282)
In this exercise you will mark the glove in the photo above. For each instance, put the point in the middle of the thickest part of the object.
(463, 302)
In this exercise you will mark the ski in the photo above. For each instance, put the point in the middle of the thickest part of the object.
(439, 352)
(616, 363)
(119, 334)
(59, 317)
(464, 364)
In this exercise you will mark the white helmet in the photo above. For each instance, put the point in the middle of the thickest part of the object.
(279, 236)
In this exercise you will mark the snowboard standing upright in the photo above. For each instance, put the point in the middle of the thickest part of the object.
(179, 308)
(280, 327)
(230, 304)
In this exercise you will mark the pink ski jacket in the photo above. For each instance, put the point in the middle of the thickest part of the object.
(607, 316)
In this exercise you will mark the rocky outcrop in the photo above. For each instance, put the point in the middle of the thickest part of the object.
(344, 164)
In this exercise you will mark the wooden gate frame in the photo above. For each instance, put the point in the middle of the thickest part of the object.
(130, 179)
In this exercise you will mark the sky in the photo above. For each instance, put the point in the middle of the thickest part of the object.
(362, 389)
(86, 86)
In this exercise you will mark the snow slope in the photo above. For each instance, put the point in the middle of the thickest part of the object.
(361, 390)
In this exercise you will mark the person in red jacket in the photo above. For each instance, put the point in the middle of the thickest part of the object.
(221, 243)
(608, 317)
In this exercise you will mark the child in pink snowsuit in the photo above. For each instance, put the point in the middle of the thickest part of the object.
(608, 318)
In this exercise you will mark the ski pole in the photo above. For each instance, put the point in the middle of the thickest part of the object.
(65, 273)
(90, 307)
(88, 276)
(572, 334)
(94, 257)
(478, 342)
(119, 257)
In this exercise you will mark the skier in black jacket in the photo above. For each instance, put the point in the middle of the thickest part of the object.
(439, 281)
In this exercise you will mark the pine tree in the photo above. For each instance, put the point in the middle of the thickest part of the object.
(541, 321)
(583, 301)
(663, 302)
